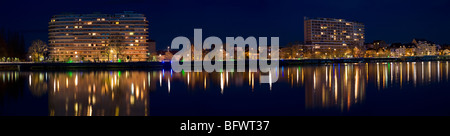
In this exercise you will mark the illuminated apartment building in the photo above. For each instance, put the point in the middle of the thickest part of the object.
(99, 37)
(330, 33)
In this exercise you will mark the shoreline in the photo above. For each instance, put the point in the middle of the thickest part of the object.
(163, 65)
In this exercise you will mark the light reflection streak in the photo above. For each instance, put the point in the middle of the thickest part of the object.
(221, 83)
(415, 73)
(407, 72)
(429, 71)
(335, 86)
(422, 74)
(438, 71)
(270, 79)
(356, 83)
(401, 75)
(168, 85)
(297, 77)
(378, 75)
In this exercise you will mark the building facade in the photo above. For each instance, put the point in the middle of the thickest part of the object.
(330, 33)
(97, 37)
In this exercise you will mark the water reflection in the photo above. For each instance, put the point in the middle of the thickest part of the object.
(116, 93)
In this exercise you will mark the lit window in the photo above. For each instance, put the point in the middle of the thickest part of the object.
(67, 26)
(136, 40)
(117, 23)
(98, 19)
(321, 33)
(76, 26)
(347, 24)
(131, 44)
(103, 19)
(126, 26)
(347, 36)
(89, 23)
(131, 33)
(79, 19)
(94, 33)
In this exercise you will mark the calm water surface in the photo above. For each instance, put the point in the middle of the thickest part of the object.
(398, 88)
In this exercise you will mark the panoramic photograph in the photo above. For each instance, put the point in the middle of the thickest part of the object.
(225, 65)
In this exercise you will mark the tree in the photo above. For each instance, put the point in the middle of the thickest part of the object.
(109, 52)
(37, 50)
(120, 52)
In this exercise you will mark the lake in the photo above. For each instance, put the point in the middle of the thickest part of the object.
(397, 88)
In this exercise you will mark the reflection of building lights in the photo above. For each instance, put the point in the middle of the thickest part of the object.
(160, 79)
(137, 91)
(270, 78)
(93, 99)
(221, 83)
(132, 89)
(132, 100)
(168, 84)
(76, 80)
(54, 85)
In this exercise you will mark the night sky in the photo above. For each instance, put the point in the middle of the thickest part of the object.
(389, 20)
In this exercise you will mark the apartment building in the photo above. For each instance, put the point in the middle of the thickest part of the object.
(121, 37)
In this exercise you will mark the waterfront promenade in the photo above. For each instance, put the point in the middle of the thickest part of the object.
(159, 65)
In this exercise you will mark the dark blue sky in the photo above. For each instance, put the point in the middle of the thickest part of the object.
(390, 20)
